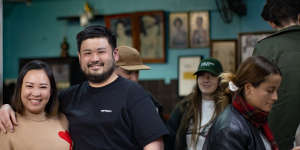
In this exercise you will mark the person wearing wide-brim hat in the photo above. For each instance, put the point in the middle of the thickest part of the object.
(192, 117)
(129, 65)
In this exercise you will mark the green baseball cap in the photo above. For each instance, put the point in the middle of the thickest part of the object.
(210, 65)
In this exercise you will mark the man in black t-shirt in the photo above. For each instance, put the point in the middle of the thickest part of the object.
(106, 112)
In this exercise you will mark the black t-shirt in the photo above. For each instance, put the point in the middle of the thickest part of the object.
(114, 117)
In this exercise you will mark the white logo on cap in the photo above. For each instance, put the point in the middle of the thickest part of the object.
(206, 64)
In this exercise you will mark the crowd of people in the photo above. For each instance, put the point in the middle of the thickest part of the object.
(255, 108)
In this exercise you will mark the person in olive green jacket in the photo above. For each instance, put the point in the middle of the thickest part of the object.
(283, 48)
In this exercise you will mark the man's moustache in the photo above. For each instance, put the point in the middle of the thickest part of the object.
(96, 63)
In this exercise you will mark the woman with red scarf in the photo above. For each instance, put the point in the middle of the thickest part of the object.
(243, 124)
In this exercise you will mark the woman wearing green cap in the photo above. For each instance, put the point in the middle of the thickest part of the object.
(192, 118)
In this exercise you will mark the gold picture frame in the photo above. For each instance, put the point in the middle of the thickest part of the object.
(226, 52)
(151, 36)
(199, 29)
(178, 30)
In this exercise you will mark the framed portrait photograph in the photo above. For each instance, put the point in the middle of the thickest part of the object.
(151, 36)
(65, 70)
(226, 52)
(199, 29)
(121, 25)
(178, 30)
(247, 42)
(187, 66)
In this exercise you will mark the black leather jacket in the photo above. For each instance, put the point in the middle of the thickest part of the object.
(231, 131)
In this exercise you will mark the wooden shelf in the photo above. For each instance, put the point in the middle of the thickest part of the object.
(77, 18)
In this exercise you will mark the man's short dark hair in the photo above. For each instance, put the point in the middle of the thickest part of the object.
(279, 11)
(96, 31)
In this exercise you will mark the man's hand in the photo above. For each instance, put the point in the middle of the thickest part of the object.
(7, 118)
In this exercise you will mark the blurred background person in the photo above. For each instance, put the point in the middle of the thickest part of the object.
(283, 49)
(129, 65)
(243, 125)
(192, 118)
(40, 125)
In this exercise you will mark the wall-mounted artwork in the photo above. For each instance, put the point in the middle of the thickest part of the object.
(226, 52)
(121, 25)
(247, 41)
(144, 31)
(187, 66)
(66, 71)
(199, 29)
(178, 25)
(151, 36)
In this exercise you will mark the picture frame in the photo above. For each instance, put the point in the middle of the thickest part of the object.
(123, 27)
(199, 24)
(247, 42)
(187, 66)
(178, 30)
(151, 36)
(66, 71)
(226, 52)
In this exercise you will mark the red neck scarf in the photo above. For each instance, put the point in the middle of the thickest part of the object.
(256, 117)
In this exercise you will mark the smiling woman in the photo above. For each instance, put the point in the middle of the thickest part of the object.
(35, 92)
(36, 106)
(243, 125)
(192, 117)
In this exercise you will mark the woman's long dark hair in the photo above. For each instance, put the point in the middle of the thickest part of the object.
(192, 104)
(52, 106)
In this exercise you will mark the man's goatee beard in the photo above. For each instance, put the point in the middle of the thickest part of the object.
(102, 77)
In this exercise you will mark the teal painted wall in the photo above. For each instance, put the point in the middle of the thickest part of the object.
(34, 31)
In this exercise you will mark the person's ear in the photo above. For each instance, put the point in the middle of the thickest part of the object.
(78, 54)
(116, 54)
(248, 89)
(273, 25)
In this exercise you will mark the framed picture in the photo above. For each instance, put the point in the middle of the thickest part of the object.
(178, 26)
(187, 66)
(247, 41)
(151, 41)
(66, 71)
(199, 29)
(122, 26)
(226, 52)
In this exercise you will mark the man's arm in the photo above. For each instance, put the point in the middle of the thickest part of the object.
(155, 145)
(296, 148)
(7, 118)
